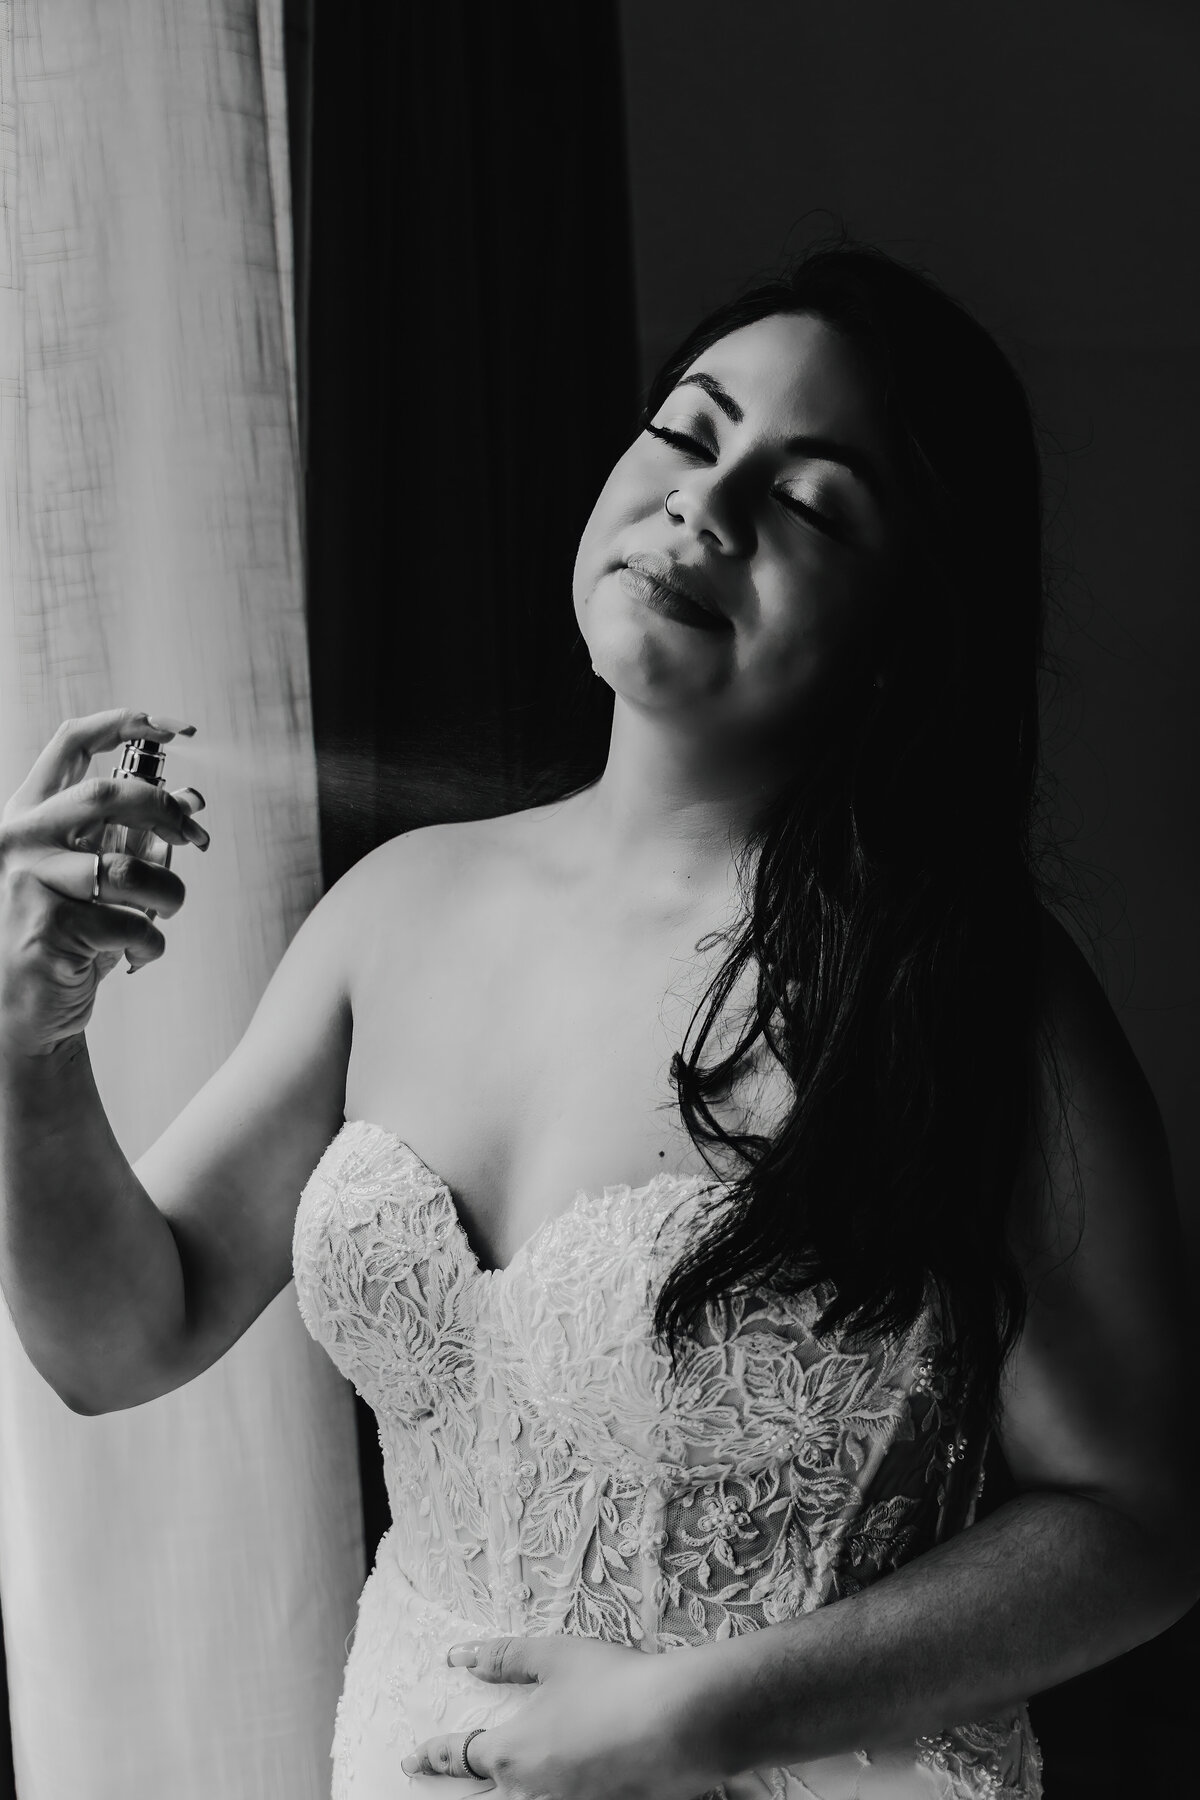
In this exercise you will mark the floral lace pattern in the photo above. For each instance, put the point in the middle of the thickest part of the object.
(547, 1473)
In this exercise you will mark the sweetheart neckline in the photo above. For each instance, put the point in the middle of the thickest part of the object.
(527, 1243)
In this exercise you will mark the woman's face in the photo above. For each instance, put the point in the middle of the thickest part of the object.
(737, 559)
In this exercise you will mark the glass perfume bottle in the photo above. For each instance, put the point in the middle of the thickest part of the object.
(141, 760)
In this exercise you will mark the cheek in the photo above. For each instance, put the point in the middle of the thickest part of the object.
(617, 505)
(589, 558)
(812, 628)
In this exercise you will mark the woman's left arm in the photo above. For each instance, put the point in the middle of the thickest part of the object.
(1098, 1550)
(1095, 1554)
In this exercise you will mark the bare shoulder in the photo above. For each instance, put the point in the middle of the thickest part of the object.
(405, 868)
(432, 860)
(430, 879)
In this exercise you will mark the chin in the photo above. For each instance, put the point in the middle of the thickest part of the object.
(648, 673)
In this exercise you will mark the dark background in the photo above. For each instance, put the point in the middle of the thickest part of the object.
(471, 373)
(1041, 159)
(516, 210)
(506, 213)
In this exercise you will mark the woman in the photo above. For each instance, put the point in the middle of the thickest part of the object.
(862, 1164)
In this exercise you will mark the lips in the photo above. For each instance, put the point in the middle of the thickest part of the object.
(680, 591)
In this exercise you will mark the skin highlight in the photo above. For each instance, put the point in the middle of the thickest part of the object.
(798, 603)
(155, 1273)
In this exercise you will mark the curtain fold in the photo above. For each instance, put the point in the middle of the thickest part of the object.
(178, 1580)
(468, 376)
(473, 377)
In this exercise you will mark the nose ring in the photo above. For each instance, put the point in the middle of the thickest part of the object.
(678, 517)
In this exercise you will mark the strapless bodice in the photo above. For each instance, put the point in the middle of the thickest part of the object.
(547, 1472)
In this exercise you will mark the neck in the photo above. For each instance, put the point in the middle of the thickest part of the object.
(671, 802)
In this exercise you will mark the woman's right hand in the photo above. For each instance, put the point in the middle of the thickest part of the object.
(56, 943)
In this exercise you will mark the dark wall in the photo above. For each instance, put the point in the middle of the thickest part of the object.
(1039, 158)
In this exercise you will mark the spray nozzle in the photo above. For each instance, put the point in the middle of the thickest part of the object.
(141, 757)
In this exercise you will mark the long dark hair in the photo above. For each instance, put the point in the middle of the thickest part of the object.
(892, 911)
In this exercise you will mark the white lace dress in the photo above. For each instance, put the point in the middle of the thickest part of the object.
(546, 1474)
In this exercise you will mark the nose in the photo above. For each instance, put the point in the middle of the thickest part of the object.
(707, 505)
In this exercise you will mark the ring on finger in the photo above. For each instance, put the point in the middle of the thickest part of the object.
(474, 1773)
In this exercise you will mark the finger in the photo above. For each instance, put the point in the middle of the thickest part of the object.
(124, 880)
(71, 873)
(189, 797)
(444, 1756)
(67, 756)
(81, 929)
(72, 817)
(514, 1659)
(123, 930)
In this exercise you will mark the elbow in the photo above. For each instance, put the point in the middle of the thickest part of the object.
(1185, 1564)
(1137, 1551)
(65, 1377)
(1174, 1601)
(85, 1406)
(1174, 1551)
(92, 1399)
(1163, 1562)
(1177, 1589)
(94, 1405)
(83, 1409)
(108, 1378)
(84, 1402)
(76, 1382)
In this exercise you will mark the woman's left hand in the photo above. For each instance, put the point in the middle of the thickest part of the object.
(611, 1724)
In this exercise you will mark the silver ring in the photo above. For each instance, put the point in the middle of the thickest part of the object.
(96, 877)
(667, 504)
(474, 1773)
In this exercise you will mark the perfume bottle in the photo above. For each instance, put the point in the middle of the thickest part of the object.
(141, 760)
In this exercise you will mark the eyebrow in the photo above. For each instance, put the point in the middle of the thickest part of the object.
(822, 449)
(716, 393)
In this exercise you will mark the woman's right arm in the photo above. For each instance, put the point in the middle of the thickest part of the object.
(125, 1282)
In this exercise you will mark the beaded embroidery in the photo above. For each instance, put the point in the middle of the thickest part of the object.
(546, 1473)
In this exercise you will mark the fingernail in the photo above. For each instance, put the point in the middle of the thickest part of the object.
(134, 967)
(462, 1656)
(203, 841)
(409, 1764)
(197, 800)
(178, 726)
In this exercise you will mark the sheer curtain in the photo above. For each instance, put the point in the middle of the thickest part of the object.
(179, 1580)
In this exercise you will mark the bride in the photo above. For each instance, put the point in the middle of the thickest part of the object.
(694, 1170)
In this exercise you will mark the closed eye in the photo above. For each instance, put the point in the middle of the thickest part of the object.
(821, 520)
(681, 441)
(694, 446)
